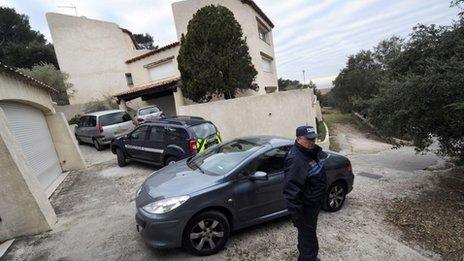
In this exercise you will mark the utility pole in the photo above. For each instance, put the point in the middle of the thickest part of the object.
(304, 77)
(70, 7)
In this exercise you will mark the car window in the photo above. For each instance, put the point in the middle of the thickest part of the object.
(114, 118)
(82, 121)
(176, 134)
(157, 134)
(92, 121)
(149, 110)
(270, 162)
(219, 160)
(204, 130)
(139, 133)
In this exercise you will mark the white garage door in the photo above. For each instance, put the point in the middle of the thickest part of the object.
(30, 129)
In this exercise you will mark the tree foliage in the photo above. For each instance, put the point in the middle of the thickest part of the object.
(145, 41)
(411, 89)
(213, 59)
(48, 74)
(20, 46)
(287, 85)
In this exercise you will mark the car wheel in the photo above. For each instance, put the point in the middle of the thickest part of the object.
(97, 145)
(171, 160)
(121, 158)
(335, 197)
(206, 233)
(79, 141)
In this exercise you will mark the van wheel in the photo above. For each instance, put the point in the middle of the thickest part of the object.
(206, 233)
(97, 145)
(170, 161)
(121, 158)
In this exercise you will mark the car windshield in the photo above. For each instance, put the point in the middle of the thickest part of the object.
(203, 130)
(149, 110)
(114, 118)
(219, 160)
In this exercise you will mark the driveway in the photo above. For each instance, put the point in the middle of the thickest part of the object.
(95, 211)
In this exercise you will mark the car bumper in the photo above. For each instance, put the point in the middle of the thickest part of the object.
(350, 182)
(159, 234)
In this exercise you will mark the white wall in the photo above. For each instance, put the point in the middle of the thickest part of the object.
(141, 75)
(184, 10)
(93, 53)
(276, 114)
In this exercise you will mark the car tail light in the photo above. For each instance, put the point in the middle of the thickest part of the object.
(349, 168)
(193, 145)
(100, 128)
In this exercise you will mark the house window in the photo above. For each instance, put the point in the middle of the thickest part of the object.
(129, 80)
(263, 34)
(263, 31)
(266, 64)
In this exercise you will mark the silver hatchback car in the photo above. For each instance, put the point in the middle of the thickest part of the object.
(99, 128)
(150, 113)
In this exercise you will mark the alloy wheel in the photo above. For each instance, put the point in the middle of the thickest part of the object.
(336, 196)
(206, 234)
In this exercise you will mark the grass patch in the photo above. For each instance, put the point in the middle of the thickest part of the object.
(321, 131)
(331, 120)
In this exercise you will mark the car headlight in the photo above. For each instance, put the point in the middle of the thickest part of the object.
(165, 205)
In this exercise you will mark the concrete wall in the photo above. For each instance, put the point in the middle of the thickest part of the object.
(93, 53)
(25, 209)
(184, 10)
(65, 143)
(16, 90)
(273, 114)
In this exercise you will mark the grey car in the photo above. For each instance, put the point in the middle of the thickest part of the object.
(100, 128)
(149, 113)
(197, 202)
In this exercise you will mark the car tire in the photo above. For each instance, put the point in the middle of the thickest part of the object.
(171, 160)
(335, 197)
(79, 141)
(206, 233)
(97, 145)
(121, 158)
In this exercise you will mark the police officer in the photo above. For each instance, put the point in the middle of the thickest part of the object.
(304, 188)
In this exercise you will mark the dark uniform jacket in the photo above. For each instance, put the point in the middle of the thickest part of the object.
(305, 180)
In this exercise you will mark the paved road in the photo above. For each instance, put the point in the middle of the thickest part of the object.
(95, 211)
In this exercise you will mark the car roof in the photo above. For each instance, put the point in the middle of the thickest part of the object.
(147, 107)
(100, 113)
(273, 141)
(185, 121)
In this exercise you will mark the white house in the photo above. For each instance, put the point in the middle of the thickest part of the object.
(103, 58)
(36, 148)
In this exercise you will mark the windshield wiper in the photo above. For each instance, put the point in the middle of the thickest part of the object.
(197, 166)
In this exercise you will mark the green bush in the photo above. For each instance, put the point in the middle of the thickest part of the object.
(74, 120)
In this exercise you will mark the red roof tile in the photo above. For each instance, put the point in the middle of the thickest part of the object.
(26, 79)
(148, 86)
(145, 55)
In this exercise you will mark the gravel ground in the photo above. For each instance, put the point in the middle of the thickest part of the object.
(96, 215)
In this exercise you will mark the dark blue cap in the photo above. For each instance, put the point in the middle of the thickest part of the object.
(307, 132)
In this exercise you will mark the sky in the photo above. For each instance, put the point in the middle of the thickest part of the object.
(316, 36)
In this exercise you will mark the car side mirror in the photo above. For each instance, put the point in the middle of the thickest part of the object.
(259, 175)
